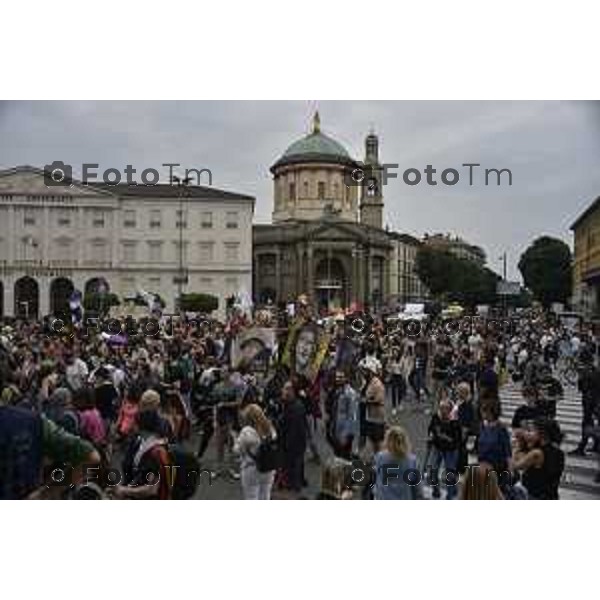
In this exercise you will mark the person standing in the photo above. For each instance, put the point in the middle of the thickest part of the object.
(293, 435)
(445, 436)
(396, 476)
(256, 484)
(346, 416)
(394, 369)
(374, 400)
(589, 386)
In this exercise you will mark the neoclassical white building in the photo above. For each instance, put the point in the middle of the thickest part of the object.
(56, 239)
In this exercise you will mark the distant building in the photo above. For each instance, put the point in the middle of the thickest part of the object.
(586, 260)
(326, 239)
(405, 283)
(456, 246)
(118, 239)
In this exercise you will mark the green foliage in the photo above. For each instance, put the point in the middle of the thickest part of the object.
(100, 302)
(196, 302)
(139, 301)
(546, 270)
(456, 279)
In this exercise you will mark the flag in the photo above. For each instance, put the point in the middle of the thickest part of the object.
(75, 306)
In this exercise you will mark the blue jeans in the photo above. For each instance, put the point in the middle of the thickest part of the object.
(450, 460)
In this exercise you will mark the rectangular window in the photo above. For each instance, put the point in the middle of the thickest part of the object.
(63, 249)
(98, 218)
(206, 282)
(155, 251)
(321, 190)
(231, 251)
(98, 251)
(231, 284)
(231, 220)
(153, 284)
(63, 218)
(184, 253)
(181, 220)
(206, 251)
(129, 218)
(292, 191)
(155, 219)
(129, 254)
(207, 220)
(29, 218)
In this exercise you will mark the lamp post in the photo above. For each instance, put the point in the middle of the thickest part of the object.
(503, 259)
(182, 192)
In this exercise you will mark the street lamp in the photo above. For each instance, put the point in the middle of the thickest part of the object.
(503, 259)
(182, 192)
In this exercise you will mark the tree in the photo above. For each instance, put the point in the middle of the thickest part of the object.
(546, 270)
(200, 303)
(456, 279)
(95, 302)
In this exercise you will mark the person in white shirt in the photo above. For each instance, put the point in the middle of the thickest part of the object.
(256, 485)
(76, 372)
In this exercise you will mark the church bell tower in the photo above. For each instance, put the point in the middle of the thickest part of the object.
(371, 194)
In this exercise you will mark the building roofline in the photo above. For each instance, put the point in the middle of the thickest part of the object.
(586, 213)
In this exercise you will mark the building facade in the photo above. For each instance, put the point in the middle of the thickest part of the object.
(326, 239)
(456, 246)
(586, 260)
(405, 282)
(119, 239)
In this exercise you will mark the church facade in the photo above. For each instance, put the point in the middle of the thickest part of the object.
(326, 239)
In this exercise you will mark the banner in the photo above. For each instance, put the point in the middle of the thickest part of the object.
(306, 347)
(252, 348)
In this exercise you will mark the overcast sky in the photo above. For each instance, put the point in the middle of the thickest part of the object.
(552, 149)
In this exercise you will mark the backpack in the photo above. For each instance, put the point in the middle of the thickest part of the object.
(183, 469)
(268, 455)
(186, 472)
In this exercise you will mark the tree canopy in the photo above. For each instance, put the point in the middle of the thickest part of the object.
(546, 270)
(201, 303)
(456, 279)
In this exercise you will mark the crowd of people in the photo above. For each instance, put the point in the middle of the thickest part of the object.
(85, 414)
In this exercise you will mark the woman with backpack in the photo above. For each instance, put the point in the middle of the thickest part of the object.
(257, 446)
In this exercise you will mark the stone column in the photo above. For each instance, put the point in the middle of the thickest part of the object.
(278, 275)
(44, 295)
(9, 296)
(46, 231)
(368, 276)
(354, 275)
(299, 271)
(310, 285)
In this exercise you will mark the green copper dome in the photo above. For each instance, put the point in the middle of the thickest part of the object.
(315, 147)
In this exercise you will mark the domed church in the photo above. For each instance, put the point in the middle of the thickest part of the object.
(327, 239)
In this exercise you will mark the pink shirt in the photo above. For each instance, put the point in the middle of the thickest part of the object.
(92, 425)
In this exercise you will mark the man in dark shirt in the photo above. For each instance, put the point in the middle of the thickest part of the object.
(529, 412)
(293, 435)
(445, 437)
(589, 386)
